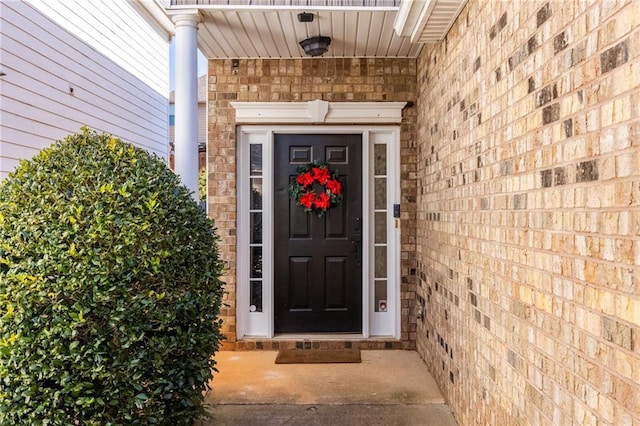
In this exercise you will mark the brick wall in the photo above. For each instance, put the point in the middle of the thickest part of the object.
(528, 212)
(303, 80)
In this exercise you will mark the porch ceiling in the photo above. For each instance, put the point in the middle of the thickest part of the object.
(272, 30)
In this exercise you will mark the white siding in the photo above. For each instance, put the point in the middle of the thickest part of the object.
(202, 123)
(119, 85)
(118, 31)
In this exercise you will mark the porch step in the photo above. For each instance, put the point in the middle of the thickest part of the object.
(315, 342)
(392, 386)
(351, 415)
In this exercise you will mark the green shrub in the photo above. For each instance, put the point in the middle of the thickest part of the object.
(109, 289)
(202, 185)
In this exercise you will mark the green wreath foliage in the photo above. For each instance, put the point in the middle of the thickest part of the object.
(109, 289)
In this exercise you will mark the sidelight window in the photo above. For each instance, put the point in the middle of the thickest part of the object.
(255, 235)
(380, 215)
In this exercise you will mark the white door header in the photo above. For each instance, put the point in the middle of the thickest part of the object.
(319, 111)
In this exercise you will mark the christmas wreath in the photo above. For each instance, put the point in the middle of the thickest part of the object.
(316, 187)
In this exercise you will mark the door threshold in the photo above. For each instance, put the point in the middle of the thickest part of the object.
(320, 336)
(314, 341)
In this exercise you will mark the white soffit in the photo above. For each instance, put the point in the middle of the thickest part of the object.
(155, 13)
(275, 33)
(427, 21)
(318, 111)
(270, 28)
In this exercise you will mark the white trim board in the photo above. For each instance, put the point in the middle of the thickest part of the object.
(319, 111)
(260, 324)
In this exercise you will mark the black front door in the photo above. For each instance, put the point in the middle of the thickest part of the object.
(318, 268)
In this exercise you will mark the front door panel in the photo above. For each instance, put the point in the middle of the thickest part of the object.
(318, 271)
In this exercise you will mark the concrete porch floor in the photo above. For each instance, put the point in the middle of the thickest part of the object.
(389, 387)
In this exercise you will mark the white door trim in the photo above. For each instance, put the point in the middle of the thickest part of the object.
(318, 111)
(260, 324)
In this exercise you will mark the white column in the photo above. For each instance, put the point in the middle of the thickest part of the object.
(186, 98)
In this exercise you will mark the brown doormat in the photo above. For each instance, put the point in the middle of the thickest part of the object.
(318, 356)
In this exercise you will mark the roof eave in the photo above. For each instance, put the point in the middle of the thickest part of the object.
(427, 21)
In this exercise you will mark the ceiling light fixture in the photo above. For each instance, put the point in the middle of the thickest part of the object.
(305, 17)
(316, 46)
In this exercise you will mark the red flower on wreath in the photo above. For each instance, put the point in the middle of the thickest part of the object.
(308, 199)
(322, 201)
(316, 187)
(334, 186)
(321, 175)
(305, 179)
